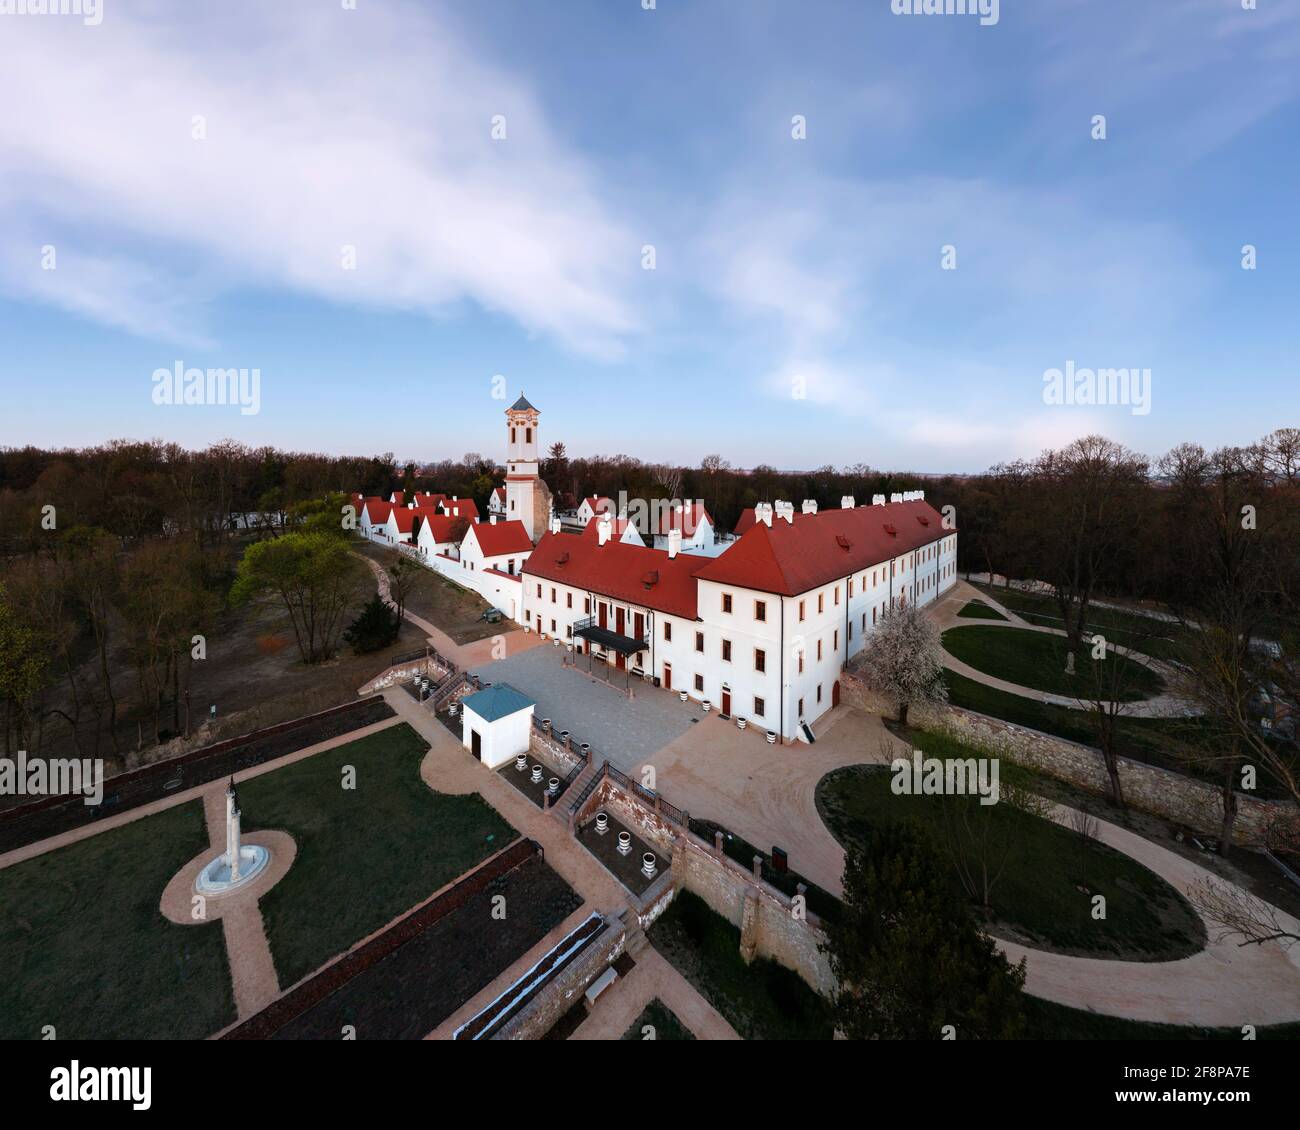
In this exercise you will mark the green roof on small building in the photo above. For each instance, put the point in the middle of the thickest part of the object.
(498, 701)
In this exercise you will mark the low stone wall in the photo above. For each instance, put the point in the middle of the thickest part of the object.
(404, 673)
(560, 994)
(560, 754)
(634, 814)
(1161, 792)
(768, 925)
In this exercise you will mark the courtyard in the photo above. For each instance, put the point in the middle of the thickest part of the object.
(625, 731)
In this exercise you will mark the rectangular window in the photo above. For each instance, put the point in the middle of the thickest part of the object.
(836, 644)
(726, 651)
(539, 592)
(699, 641)
(801, 709)
(552, 627)
(668, 631)
(760, 610)
(568, 600)
(726, 602)
(819, 692)
(552, 595)
(699, 683)
(821, 602)
(819, 650)
(760, 659)
(837, 596)
(801, 608)
(759, 707)
(586, 605)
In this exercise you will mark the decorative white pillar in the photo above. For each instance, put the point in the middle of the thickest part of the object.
(233, 836)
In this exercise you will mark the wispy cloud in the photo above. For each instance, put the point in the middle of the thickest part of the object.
(325, 128)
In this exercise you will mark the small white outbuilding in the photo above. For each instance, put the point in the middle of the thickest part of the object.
(496, 724)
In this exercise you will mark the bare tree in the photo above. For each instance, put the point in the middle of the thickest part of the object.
(1085, 512)
(1239, 916)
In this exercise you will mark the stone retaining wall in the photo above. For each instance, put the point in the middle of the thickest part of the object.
(404, 673)
(1161, 792)
(560, 993)
(765, 915)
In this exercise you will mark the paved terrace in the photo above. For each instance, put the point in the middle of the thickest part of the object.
(625, 730)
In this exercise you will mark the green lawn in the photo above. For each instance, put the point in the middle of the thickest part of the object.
(1154, 740)
(1051, 1021)
(762, 1000)
(1037, 660)
(662, 1019)
(88, 952)
(1044, 896)
(365, 855)
(1158, 638)
(978, 610)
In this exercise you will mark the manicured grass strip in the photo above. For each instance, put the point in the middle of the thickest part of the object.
(88, 952)
(366, 854)
(978, 610)
(1044, 896)
(762, 1000)
(1147, 634)
(1037, 660)
(1051, 1021)
(662, 1019)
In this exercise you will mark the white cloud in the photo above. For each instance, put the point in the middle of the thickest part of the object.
(325, 127)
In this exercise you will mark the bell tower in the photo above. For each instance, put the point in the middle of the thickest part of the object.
(527, 498)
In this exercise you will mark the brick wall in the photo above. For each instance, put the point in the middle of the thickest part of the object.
(1158, 791)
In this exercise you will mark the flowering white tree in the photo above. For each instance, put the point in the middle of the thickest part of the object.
(903, 660)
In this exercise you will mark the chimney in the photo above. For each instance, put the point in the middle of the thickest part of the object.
(555, 525)
(674, 543)
(877, 500)
(848, 502)
(763, 513)
(604, 527)
(920, 496)
(493, 519)
(809, 506)
(895, 497)
(785, 510)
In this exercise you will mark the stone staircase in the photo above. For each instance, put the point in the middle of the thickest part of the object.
(576, 792)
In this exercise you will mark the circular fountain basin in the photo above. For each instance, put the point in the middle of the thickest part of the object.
(214, 879)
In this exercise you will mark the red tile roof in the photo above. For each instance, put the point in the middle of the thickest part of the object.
(618, 527)
(816, 549)
(688, 519)
(748, 519)
(501, 538)
(466, 507)
(398, 498)
(620, 571)
(439, 524)
(403, 519)
(377, 510)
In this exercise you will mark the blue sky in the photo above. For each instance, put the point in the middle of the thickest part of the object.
(779, 263)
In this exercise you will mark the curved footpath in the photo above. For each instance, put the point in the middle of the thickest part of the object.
(767, 794)
(945, 616)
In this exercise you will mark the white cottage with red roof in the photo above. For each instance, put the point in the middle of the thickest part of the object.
(761, 631)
